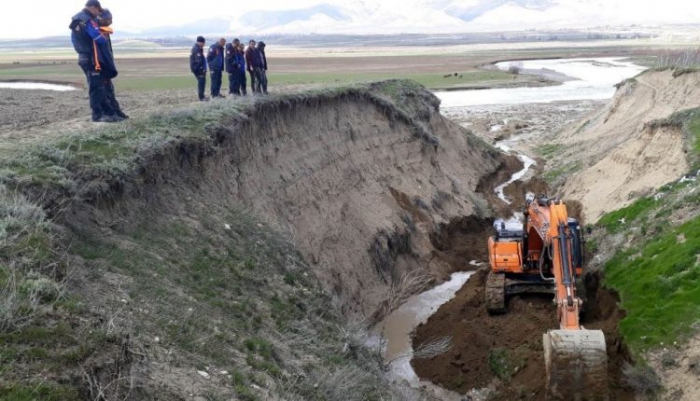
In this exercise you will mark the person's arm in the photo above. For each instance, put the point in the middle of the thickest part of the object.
(93, 30)
(193, 62)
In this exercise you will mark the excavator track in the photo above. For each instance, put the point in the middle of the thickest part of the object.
(495, 294)
(577, 365)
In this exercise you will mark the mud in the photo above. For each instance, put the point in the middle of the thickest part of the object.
(477, 336)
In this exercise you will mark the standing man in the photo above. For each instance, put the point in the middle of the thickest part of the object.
(242, 69)
(234, 85)
(104, 20)
(87, 39)
(261, 68)
(250, 60)
(215, 57)
(198, 66)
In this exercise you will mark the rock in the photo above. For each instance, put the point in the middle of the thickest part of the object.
(203, 374)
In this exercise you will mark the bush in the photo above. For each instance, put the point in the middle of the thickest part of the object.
(643, 379)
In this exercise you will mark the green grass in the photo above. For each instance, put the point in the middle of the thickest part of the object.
(146, 80)
(37, 392)
(659, 285)
(550, 149)
(621, 219)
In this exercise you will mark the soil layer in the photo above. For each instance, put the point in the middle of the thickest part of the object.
(505, 352)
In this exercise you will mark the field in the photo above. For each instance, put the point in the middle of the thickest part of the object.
(434, 68)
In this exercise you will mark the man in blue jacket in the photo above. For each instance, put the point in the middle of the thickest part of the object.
(198, 66)
(90, 45)
(216, 61)
(104, 20)
(242, 69)
(234, 85)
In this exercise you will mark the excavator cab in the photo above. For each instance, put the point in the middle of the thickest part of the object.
(547, 256)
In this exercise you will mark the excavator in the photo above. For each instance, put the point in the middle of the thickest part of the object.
(547, 257)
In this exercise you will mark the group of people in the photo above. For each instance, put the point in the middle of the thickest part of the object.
(233, 58)
(90, 34)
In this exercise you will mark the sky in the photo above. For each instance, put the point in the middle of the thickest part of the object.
(39, 18)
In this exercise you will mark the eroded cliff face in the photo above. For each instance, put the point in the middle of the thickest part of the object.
(627, 149)
(357, 179)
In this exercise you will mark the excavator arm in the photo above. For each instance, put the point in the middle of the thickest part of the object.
(575, 358)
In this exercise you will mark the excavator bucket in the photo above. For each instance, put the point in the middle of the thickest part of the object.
(577, 365)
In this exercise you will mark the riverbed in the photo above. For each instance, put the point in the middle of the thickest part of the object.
(509, 119)
(583, 79)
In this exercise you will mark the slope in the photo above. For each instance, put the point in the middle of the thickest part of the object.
(225, 251)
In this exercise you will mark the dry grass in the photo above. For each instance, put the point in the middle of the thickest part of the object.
(679, 58)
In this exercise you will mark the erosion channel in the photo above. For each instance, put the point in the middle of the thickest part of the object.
(457, 350)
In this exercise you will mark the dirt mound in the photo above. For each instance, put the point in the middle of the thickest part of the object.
(505, 352)
(618, 153)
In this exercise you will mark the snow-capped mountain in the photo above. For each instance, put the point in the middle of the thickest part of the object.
(451, 16)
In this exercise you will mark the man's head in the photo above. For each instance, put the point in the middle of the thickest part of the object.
(222, 42)
(261, 45)
(236, 42)
(94, 7)
(105, 18)
(251, 43)
(201, 41)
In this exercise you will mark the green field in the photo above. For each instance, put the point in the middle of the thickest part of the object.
(173, 79)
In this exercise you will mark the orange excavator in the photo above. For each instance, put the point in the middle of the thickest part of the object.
(546, 256)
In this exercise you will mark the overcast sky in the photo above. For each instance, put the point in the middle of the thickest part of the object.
(38, 18)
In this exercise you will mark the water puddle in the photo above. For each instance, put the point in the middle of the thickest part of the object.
(396, 331)
(36, 86)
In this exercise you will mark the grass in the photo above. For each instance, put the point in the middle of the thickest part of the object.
(182, 79)
(659, 285)
(549, 150)
(621, 219)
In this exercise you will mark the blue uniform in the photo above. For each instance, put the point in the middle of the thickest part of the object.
(198, 66)
(260, 68)
(215, 58)
(240, 60)
(232, 69)
(93, 53)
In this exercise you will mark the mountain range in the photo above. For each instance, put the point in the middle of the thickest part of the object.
(454, 16)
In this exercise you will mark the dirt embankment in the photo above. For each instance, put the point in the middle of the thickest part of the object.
(619, 152)
(357, 183)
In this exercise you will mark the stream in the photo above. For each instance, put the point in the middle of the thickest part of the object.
(36, 86)
(582, 79)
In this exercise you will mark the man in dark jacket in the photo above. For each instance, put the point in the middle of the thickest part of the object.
(90, 45)
(104, 20)
(260, 67)
(242, 69)
(198, 66)
(216, 61)
(234, 85)
(250, 61)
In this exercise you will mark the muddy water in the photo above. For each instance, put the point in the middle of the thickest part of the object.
(36, 86)
(397, 328)
(527, 165)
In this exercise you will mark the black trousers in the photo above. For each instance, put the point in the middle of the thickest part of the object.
(234, 84)
(96, 89)
(216, 78)
(111, 102)
(242, 81)
(252, 81)
(201, 84)
(261, 78)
